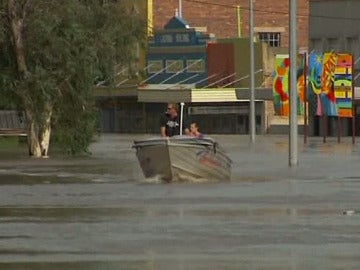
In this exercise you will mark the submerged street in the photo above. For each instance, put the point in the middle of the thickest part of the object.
(98, 212)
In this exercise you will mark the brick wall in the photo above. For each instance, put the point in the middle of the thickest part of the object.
(220, 17)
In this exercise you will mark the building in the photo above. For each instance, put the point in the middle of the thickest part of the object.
(223, 18)
(333, 27)
(230, 18)
(189, 66)
(123, 109)
(177, 54)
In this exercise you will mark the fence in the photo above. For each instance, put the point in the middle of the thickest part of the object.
(12, 123)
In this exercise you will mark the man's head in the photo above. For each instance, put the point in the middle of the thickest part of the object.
(172, 109)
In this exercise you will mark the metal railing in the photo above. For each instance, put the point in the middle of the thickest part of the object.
(12, 123)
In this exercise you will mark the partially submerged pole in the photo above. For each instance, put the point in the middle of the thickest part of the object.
(252, 75)
(180, 8)
(293, 134)
(181, 116)
(238, 14)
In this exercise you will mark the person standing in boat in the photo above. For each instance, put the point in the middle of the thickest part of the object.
(170, 123)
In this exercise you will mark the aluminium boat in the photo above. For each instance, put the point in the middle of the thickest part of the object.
(182, 158)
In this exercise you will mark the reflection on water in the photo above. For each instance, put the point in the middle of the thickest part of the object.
(99, 212)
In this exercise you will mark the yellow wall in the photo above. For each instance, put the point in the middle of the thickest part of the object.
(150, 17)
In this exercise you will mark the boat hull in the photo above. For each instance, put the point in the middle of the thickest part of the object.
(182, 158)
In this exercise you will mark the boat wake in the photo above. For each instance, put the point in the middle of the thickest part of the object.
(178, 178)
(157, 179)
(191, 179)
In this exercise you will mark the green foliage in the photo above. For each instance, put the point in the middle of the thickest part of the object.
(8, 99)
(76, 133)
(8, 143)
(69, 46)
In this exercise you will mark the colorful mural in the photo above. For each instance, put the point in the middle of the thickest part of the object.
(343, 85)
(281, 84)
(315, 74)
(301, 85)
(330, 83)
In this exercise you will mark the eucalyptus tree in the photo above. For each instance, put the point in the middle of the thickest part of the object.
(51, 55)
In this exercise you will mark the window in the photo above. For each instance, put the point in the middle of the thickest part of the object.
(195, 66)
(167, 38)
(352, 43)
(174, 66)
(316, 44)
(333, 44)
(182, 37)
(273, 39)
(155, 66)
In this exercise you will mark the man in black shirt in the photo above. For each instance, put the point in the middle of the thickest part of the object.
(170, 123)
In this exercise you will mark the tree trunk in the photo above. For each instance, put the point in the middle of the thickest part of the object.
(17, 28)
(33, 137)
(39, 133)
(46, 130)
(34, 144)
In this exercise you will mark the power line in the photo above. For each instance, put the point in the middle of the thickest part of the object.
(211, 4)
(274, 12)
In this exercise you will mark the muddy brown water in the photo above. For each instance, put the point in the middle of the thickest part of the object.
(98, 212)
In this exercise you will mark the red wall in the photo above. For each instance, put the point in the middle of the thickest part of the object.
(220, 62)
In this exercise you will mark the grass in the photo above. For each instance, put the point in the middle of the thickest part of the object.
(12, 147)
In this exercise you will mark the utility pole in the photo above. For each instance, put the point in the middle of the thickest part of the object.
(252, 74)
(293, 134)
(238, 15)
(180, 9)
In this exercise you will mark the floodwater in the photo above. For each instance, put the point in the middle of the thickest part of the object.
(99, 213)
